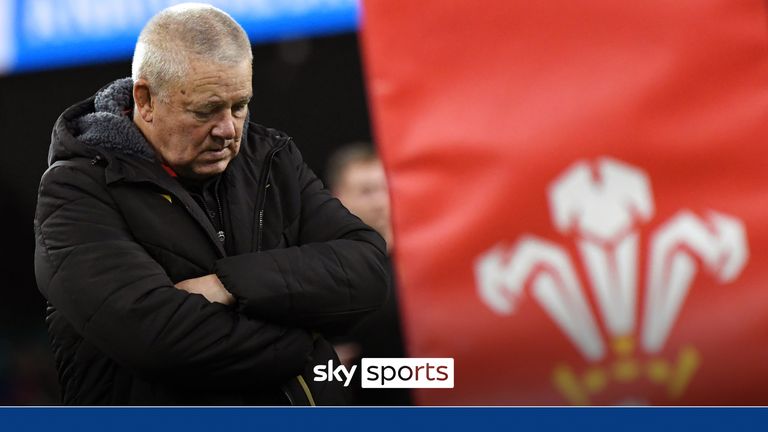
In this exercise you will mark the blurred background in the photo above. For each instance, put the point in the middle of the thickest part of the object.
(307, 81)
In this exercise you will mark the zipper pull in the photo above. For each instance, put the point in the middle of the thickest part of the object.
(96, 160)
(221, 236)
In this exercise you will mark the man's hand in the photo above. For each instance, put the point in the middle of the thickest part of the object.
(209, 287)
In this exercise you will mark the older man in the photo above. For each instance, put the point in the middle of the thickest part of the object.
(189, 256)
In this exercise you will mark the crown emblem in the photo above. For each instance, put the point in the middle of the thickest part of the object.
(601, 207)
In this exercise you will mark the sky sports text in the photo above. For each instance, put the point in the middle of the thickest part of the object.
(392, 373)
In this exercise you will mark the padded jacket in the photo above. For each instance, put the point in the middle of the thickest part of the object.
(115, 230)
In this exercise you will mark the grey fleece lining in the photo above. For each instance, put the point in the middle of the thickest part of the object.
(110, 127)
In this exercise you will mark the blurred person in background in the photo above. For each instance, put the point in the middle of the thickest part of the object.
(188, 255)
(356, 176)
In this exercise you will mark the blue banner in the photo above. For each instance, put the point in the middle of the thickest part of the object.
(383, 419)
(38, 34)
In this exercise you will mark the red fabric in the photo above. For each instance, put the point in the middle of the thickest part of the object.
(482, 108)
(170, 171)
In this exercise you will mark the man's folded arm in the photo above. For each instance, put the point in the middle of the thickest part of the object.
(122, 301)
(336, 276)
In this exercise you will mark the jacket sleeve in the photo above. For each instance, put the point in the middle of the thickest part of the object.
(335, 276)
(117, 297)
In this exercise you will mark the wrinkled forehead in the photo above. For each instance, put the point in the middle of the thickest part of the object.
(210, 81)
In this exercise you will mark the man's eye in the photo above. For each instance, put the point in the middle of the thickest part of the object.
(202, 115)
(239, 109)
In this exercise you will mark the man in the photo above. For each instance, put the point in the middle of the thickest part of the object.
(189, 256)
(356, 176)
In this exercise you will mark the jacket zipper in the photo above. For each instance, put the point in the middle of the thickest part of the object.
(263, 192)
(220, 231)
(261, 219)
(263, 200)
(219, 234)
(260, 229)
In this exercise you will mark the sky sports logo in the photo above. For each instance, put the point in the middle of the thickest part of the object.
(392, 373)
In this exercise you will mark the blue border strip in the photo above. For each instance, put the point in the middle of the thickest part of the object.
(383, 419)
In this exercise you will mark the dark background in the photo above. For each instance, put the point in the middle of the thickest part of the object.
(310, 88)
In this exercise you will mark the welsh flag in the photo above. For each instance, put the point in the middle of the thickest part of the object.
(580, 195)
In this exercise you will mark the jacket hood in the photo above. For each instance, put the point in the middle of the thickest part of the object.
(100, 125)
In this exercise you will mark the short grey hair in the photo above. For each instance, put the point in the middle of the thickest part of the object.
(186, 30)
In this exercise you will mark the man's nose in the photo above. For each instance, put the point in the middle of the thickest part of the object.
(224, 127)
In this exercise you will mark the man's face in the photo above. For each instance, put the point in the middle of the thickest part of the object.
(362, 189)
(198, 128)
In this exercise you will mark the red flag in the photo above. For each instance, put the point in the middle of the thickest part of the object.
(580, 195)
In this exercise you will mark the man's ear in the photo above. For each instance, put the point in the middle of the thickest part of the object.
(145, 104)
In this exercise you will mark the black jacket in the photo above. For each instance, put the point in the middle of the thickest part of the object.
(115, 231)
